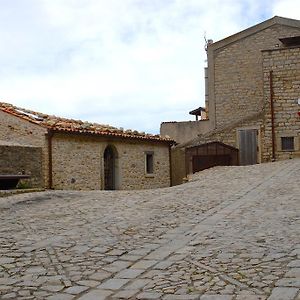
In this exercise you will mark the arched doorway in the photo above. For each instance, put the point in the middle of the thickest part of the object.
(110, 168)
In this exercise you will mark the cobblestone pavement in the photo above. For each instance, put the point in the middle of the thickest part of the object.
(230, 233)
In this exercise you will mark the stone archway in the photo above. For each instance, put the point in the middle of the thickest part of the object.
(110, 168)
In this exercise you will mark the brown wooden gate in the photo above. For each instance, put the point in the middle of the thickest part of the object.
(208, 155)
(202, 162)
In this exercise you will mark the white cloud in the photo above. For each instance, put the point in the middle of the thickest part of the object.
(130, 63)
(287, 8)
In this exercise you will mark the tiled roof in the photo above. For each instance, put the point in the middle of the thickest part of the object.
(77, 126)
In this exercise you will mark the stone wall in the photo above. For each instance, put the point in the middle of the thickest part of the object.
(182, 132)
(178, 165)
(22, 160)
(132, 165)
(16, 130)
(236, 88)
(285, 65)
(78, 163)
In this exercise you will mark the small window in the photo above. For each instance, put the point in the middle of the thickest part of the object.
(287, 143)
(149, 163)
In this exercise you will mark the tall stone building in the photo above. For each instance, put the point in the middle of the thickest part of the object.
(252, 103)
(70, 154)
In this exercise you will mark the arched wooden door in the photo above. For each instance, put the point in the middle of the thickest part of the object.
(109, 168)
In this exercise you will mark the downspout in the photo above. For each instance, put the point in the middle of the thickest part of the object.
(272, 115)
(170, 165)
(50, 178)
(187, 164)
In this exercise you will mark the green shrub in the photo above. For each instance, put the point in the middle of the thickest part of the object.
(23, 185)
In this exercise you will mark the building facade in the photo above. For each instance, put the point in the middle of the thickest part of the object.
(253, 93)
(80, 155)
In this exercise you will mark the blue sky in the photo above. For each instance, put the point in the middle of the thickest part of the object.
(127, 63)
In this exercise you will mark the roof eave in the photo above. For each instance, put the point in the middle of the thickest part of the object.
(112, 135)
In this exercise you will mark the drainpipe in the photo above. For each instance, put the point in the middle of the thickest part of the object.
(50, 179)
(170, 166)
(272, 115)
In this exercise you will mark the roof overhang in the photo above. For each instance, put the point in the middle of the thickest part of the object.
(197, 111)
(111, 135)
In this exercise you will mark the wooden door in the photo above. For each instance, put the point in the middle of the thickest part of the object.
(109, 169)
(248, 146)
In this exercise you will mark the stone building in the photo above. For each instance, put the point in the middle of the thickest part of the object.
(252, 96)
(70, 154)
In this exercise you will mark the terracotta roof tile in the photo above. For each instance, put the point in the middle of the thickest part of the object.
(77, 126)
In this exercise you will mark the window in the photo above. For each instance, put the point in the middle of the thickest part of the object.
(149, 162)
(287, 143)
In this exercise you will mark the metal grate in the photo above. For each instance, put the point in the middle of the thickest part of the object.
(287, 143)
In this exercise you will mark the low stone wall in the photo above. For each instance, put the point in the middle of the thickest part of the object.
(22, 159)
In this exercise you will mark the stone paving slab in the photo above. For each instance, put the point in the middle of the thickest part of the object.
(230, 233)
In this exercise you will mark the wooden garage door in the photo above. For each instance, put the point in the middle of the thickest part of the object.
(202, 162)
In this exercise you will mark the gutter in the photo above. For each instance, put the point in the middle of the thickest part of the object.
(50, 177)
(113, 135)
(272, 116)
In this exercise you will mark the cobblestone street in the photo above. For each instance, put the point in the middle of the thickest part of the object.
(230, 233)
